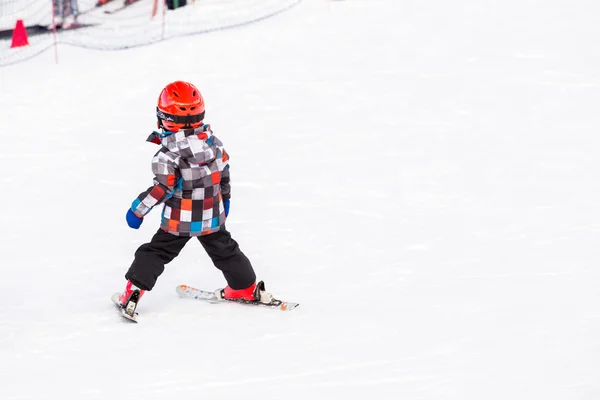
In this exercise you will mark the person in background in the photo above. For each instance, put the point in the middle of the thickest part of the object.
(65, 14)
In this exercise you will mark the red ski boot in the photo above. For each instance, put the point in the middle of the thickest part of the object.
(256, 292)
(128, 300)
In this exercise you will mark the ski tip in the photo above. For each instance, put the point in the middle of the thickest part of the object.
(181, 290)
(286, 306)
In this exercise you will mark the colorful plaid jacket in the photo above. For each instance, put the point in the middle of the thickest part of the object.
(191, 178)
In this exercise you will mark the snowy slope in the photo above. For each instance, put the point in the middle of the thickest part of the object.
(421, 176)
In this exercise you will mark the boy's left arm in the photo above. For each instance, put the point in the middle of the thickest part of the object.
(223, 162)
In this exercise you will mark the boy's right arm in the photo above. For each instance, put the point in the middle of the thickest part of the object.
(165, 179)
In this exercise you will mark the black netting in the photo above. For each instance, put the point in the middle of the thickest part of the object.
(132, 26)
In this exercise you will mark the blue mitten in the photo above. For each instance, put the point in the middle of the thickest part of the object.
(226, 204)
(133, 220)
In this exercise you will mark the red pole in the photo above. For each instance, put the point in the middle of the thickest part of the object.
(154, 8)
(54, 31)
(164, 18)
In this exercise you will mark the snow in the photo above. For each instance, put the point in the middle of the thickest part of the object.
(421, 176)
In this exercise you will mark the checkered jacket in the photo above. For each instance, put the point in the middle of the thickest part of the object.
(191, 178)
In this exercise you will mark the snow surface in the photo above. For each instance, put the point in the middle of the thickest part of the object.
(423, 177)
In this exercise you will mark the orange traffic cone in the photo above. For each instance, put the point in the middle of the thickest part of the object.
(19, 37)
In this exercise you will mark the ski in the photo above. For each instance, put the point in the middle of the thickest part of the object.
(120, 8)
(185, 291)
(74, 26)
(94, 8)
(126, 312)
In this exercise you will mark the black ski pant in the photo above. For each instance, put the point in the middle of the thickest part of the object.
(150, 258)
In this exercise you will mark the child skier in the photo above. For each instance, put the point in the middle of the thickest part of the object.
(192, 180)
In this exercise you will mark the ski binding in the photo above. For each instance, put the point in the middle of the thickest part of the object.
(127, 312)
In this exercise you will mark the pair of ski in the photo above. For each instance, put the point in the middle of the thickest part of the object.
(73, 26)
(122, 7)
(111, 11)
(189, 292)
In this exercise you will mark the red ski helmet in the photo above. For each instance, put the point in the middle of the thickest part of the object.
(180, 105)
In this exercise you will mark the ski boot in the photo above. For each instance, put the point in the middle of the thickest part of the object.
(129, 299)
(254, 293)
(57, 24)
(70, 22)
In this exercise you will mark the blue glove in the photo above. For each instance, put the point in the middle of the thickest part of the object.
(226, 204)
(133, 220)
